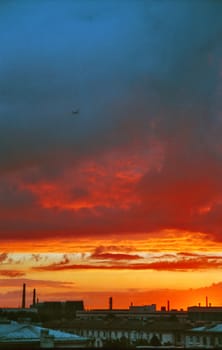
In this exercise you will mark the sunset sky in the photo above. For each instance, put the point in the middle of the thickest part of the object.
(123, 199)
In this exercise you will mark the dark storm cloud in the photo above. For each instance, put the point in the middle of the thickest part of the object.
(79, 193)
(136, 70)
(57, 68)
(11, 197)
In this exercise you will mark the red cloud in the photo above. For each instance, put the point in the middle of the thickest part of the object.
(15, 282)
(3, 257)
(12, 273)
(109, 253)
(115, 256)
(122, 192)
(113, 248)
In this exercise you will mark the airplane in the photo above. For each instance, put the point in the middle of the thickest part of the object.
(76, 111)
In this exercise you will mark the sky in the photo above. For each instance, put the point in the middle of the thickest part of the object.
(124, 198)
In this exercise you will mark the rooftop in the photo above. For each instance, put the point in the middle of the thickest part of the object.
(213, 328)
(21, 332)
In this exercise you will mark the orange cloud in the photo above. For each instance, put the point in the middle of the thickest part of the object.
(192, 262)
(106, 253)
(16, 282)
(12, 273)
(3, 257)
(115, 256)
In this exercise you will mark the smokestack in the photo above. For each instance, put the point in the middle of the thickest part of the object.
(34, 297)
(168, 305)
(110, 303)
(206, 301)
(23, 296)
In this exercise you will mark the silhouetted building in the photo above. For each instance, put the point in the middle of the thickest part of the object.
(19, 314)
(59, 309)
(202, 313)
(145, 312)
(124, 333)
(143, 308)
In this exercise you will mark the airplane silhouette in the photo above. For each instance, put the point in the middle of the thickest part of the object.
(76, 111)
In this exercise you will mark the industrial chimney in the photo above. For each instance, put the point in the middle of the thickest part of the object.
(110, 303)
(34, 297)
(168, 305)
(23, 296)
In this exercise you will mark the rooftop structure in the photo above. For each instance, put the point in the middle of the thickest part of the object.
(142, 308)
(123, 332)
(51, 309)
(16, 334)
(205, 313)
(140, 313)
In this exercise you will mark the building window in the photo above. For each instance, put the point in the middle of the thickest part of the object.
(178, 337)
(211, 340)
(204, 341)
(191, 339)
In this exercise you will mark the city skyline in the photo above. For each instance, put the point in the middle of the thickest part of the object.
(27, 296)
(111, 151)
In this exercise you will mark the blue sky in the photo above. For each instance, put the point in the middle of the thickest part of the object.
(110, 59)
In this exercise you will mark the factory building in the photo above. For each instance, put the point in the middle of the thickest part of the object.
(60, 309)
(113, 332)
(205, 313)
